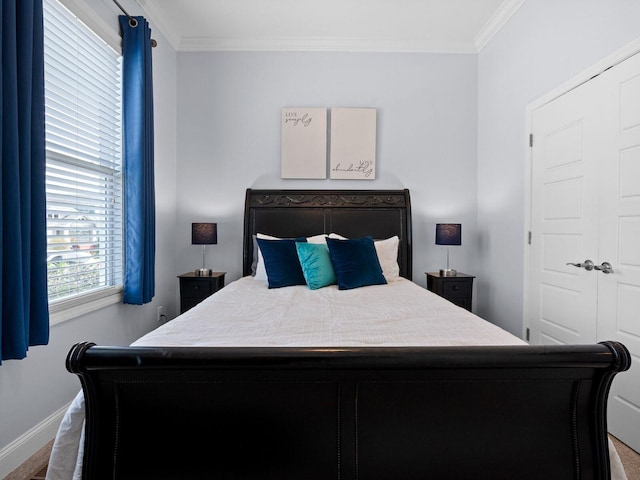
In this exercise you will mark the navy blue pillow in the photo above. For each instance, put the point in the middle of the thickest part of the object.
(355, 262)
(281, 262)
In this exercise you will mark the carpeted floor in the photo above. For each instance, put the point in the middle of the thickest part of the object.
(630, 459)
(36, 467)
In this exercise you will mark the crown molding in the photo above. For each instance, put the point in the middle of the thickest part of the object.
(496, 22)
(327, 44)
(319, 44)
(158, 19)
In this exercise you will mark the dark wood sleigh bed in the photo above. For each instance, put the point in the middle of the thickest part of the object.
(496, 412)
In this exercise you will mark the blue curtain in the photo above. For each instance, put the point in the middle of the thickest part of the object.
(139, 195)
(24, 315)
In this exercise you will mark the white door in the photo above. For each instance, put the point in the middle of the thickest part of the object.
(564, 220)
(619, 243)
(585, 207)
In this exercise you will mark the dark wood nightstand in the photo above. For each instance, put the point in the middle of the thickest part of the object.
(458, 289)
(194, 289)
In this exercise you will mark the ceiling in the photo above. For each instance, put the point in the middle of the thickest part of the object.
(445, 26)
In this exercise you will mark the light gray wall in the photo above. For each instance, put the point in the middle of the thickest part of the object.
(35, 388)
(546, 43)
(229, 107)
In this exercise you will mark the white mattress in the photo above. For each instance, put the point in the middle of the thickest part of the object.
(247, 313)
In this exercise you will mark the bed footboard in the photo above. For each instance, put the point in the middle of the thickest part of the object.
(504, 412)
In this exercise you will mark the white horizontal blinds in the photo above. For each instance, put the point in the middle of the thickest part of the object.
(84, 156)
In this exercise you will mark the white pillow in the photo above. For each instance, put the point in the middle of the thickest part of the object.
(322, 238)
(387, 251)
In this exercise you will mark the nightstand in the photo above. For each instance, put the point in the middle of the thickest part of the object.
(458, 289)
(194, 289)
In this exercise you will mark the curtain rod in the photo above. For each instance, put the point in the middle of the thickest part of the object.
(133, 23)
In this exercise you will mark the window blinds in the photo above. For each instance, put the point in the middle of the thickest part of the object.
(84, 157)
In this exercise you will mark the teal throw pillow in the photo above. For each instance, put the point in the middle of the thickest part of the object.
(316, 264)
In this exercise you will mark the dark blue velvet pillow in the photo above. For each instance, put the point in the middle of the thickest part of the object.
(355, 262)
(281, 262)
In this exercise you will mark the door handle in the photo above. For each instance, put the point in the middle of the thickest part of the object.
(588, 265)
(604, 268)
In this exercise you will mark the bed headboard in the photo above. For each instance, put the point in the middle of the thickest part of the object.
(352, 213)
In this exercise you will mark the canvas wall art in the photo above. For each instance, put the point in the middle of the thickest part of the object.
(353, 144)
(303, 151)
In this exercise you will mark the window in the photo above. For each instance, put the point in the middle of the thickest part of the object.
(84, 158)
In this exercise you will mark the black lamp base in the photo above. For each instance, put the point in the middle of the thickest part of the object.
(448, 272)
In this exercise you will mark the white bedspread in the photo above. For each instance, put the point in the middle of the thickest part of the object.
(398, 314)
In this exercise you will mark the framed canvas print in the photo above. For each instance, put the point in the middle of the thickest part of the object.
(353, 143)
(303, 148)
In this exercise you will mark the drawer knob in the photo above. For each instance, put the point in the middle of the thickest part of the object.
(197, 287)
(456, 287)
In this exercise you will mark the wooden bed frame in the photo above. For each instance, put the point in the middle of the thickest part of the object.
(500, 412)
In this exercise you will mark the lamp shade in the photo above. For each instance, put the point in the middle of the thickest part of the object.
(204, 233)
(448, 234)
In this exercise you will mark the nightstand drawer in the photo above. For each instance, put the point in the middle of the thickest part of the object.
(456, 288)
(196, 288)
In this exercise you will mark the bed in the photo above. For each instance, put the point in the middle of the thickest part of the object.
(370, 381)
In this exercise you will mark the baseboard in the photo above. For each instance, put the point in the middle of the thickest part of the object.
(18, 451)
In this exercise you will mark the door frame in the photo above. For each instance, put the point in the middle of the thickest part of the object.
(614, 58)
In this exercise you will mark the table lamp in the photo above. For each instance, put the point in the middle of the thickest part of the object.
(204, 234)
(448, 234)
